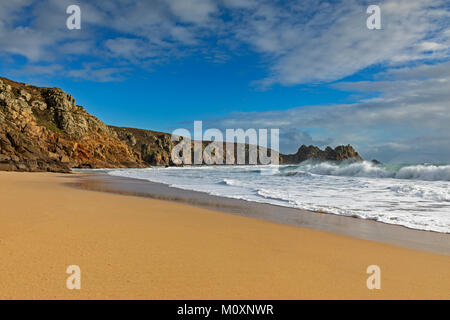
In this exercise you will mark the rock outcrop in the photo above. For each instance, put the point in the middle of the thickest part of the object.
(42, 129)
(376, 162)
(304, 153)
(153, 147)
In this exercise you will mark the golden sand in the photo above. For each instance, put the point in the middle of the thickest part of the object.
(137, 248)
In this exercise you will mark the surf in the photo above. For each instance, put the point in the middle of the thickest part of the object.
(425, 172)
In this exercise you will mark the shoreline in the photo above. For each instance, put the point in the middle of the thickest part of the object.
(131, 247)
(353, 227)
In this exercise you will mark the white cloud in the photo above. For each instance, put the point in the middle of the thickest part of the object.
(194, 11)
(93, 72)
(333, 42)
(432, 46)
(132, 49)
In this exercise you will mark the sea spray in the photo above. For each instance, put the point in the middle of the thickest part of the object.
(371, 170)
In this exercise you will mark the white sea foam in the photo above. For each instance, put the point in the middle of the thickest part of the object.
(415, 196)
(369, 169)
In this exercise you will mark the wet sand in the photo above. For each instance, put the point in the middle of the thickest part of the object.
(140, 248)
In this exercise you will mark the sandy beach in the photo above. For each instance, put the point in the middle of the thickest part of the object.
(136, 248)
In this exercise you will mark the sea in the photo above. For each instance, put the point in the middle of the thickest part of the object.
(413, 196)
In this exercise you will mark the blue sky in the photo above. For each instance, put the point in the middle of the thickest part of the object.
(310, 68)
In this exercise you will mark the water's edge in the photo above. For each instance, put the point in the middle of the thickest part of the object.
(342, 225)
(322, 187)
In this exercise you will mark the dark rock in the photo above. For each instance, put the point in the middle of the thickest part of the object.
(304, 153)
(376, 162)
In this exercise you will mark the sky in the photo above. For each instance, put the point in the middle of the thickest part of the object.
(310, 68)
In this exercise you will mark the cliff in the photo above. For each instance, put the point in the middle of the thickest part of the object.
(155, 148)
(43, 129)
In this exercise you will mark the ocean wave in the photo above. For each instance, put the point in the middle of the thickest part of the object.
(370, 170)
(232, 182)
(421, 192)
(424, 172)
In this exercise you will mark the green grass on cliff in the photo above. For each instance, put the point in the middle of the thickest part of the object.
(44, 121)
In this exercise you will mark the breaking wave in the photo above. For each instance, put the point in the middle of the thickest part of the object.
(367, 169)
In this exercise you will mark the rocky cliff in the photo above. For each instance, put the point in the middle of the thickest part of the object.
(155, 148)
(43, 129)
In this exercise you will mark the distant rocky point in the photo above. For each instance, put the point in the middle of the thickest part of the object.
(43, 129)
(304, 153)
